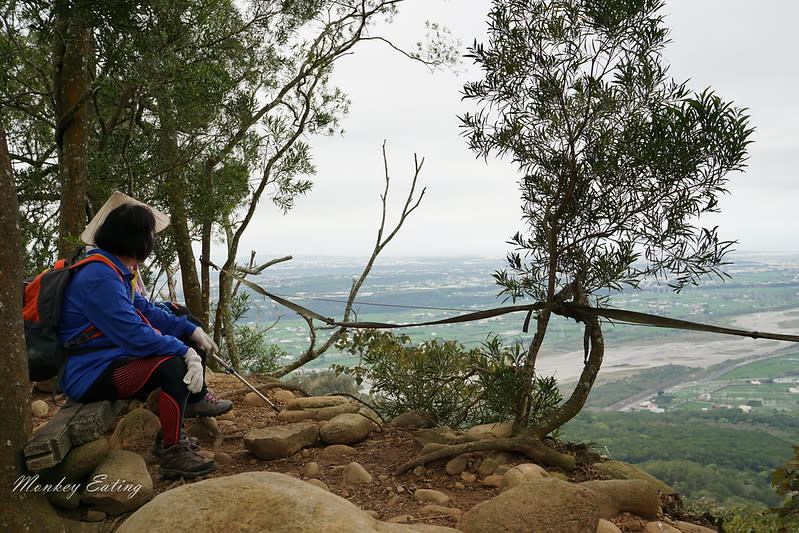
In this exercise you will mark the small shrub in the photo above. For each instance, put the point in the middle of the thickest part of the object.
(454, 386)
(257, 355)
(499, 371)
(430, 377)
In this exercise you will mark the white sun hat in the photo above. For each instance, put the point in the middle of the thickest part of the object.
(114, 201)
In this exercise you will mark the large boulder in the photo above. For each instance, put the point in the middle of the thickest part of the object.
(346, 428)
(274, 442)
(417, 419)
(498, 430)
(607, 527)
(253, 399)
(687, 527)
(317, 408)
(337, 454)
(521, 474)
(442, 435)
(458, 464)
(491, 463)
(282, 395)
(622, 470)
(430, 496)
(355, 474)
(80, 461)
(370, 414)
(258, 501)
(138, 426)
(659, 527)
(119, 484)
(634, 496)
(540, 506)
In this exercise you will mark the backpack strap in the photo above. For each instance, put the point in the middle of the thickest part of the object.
(90, 332)
(96, 257)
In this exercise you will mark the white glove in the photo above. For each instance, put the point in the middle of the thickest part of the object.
(204, 342)
(194, 372)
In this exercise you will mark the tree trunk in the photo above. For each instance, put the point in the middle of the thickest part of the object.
(71, 86)
(576, 401)
(205, 254)
(222, 320)
(176, 197)
(15, 423)
(230, 340)
(528, 372)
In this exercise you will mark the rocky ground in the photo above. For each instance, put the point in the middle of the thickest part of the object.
(388, 497)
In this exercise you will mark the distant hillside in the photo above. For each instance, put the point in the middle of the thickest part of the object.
(716, 450)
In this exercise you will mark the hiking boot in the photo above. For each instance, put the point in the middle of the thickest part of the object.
(210, 405)
(180, 460)
(192, 442)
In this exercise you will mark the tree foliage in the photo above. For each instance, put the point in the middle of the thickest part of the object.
(202, 108)
(616, 159)
(785, 481)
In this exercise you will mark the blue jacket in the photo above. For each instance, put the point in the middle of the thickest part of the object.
(97, 296)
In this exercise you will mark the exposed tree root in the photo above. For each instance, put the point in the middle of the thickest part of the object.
(529, 446)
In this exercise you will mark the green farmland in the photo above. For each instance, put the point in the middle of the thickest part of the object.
(762, 386)
(782, 366)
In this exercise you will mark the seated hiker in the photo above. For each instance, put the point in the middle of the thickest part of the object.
(132, 346)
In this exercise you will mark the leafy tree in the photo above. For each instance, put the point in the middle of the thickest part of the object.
(616, 159)
(202, 108)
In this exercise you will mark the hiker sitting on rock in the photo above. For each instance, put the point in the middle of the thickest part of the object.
(129, 347)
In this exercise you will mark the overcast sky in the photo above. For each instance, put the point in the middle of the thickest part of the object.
(745, 50)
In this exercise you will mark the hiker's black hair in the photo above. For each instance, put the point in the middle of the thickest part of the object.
(128, 230)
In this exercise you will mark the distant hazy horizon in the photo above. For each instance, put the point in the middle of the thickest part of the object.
(389, 257)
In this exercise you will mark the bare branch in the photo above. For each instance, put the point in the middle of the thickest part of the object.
(253, 270)
(410, 205)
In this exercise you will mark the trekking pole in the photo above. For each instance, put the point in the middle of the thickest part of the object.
(233, 371)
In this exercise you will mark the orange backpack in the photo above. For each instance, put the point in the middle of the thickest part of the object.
(43, 297)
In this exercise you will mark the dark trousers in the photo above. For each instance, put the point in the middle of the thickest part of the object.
(136, 377)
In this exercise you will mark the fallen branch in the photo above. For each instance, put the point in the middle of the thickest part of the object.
(529, 446)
